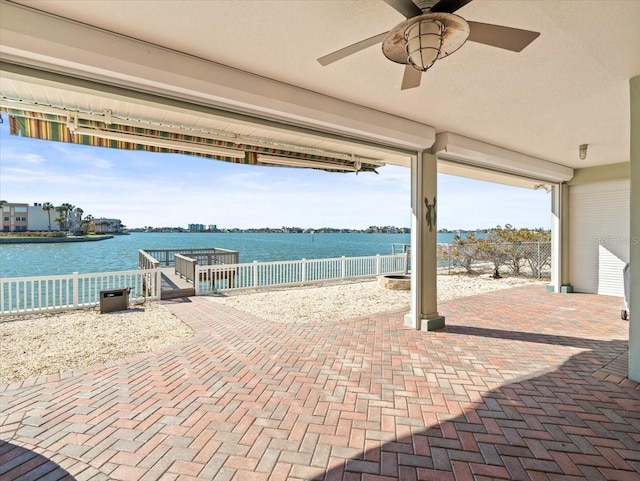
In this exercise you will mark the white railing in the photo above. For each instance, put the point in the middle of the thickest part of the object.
(253, 275)
(24, 295)
(166, 257)
(145, 261)
(185, 267)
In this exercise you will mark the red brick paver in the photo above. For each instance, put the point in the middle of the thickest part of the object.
(521, 384)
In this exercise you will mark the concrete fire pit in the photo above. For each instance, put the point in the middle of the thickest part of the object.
(395, 282)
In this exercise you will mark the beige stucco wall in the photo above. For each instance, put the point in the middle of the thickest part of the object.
(601, 173)
(634, 174)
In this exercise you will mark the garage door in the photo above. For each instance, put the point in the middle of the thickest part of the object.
(599, 236)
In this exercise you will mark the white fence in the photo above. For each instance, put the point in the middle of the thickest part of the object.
(25, 295)
(222, 277)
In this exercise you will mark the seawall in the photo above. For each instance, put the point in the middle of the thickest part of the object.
(51, 240)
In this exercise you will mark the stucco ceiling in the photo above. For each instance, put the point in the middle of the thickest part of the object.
(569, 87)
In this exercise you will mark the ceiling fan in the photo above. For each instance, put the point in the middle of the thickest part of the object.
(432, 32)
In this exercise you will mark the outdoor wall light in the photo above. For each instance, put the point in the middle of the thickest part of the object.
(582, 151)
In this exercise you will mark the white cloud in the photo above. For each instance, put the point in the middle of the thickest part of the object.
(17, 157)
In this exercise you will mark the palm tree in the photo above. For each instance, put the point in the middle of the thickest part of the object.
(64, 210)
(61, 219)
(79, 211)
(86, 224)
(48, 207)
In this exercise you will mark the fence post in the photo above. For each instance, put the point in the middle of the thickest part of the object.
(75, 286)
(378, 264)
(158, 284)
(344, 267)
(196, 279)
(406, 263)
(538, 263)
(255, 273)
(304, 270)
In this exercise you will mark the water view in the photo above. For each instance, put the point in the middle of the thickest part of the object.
(121, 252)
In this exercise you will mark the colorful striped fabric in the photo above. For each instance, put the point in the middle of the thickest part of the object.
(54, 127)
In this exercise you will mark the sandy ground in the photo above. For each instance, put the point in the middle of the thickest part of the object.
(330, 303)
(49, 343)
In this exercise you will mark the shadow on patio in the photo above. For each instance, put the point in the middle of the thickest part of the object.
(17, 462)
(563, 423)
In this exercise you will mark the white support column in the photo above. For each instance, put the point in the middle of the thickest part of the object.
(559, 237)
(634, 248)
(424, 298)
(556, 237)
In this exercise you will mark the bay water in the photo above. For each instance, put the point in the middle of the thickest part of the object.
(121, 252)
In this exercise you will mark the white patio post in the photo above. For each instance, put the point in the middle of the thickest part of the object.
(634, 238)
(559, 236)
(556, 237)
(424, 298)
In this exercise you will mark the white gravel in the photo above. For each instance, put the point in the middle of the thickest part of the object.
(335, 302)
(50, 343)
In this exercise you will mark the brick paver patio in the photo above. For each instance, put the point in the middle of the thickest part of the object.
(521, 384)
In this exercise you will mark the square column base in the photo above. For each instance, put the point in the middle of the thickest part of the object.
(432, 324)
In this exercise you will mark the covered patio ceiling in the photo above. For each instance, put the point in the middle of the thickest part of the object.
(569, 87)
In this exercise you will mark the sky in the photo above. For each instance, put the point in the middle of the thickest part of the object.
(171, 190)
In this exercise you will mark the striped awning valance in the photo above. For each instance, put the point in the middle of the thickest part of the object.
(112, 134)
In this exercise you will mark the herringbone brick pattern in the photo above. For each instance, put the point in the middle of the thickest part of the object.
(521, 384)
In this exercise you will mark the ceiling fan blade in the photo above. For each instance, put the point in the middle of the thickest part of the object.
(508, 38)
(448, 6)
(411, 78)
(405, 7)
(351, 49)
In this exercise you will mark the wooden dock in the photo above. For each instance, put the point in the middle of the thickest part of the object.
(174, 286)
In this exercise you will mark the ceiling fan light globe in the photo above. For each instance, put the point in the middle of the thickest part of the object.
(424, 43)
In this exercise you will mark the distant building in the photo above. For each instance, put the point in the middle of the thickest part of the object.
(212, 227)
(196, 227)
(20, 217)
(15, 217)
(108, 226)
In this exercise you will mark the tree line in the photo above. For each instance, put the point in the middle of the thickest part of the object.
(64, 213)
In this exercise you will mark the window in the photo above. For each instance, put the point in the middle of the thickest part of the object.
(6, 218)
